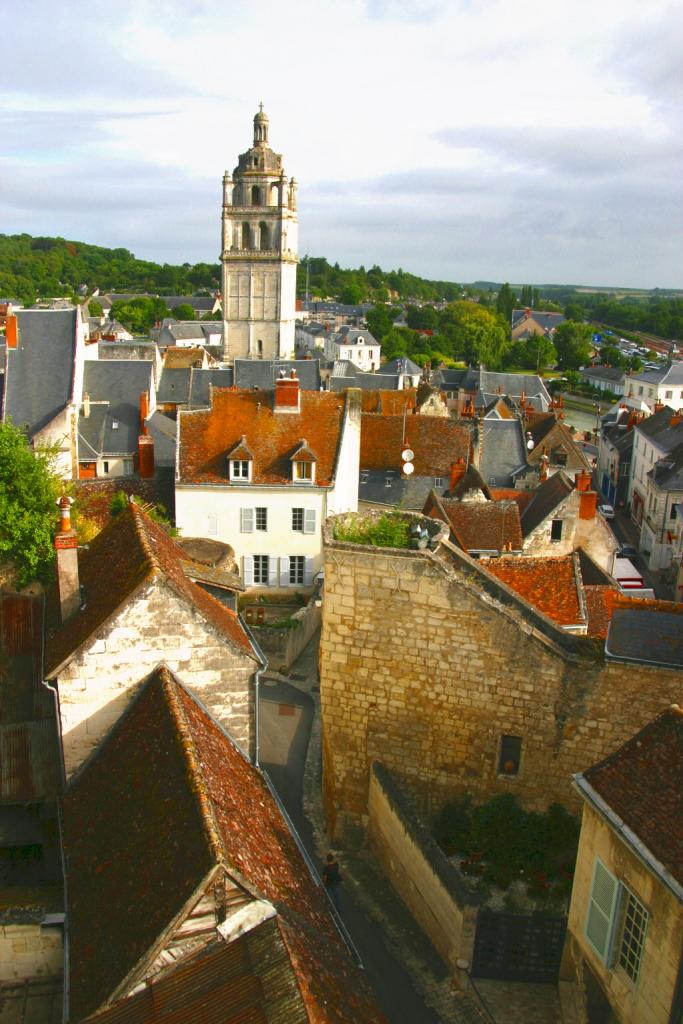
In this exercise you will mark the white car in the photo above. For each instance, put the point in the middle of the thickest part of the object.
(606, 511)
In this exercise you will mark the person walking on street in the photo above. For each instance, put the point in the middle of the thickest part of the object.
(332, 880)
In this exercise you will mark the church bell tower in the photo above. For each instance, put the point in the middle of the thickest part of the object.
(259, 253)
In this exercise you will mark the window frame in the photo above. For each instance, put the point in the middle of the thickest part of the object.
(298, 515)
(297, 570)
(303, 472)
(621, 917)
(261, 518)
(505, 755)
(238, 475)
(261, 567)
(560, 522)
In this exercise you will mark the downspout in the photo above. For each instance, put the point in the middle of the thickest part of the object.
(263, 661)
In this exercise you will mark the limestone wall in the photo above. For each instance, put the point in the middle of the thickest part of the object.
(96, 687)
(30, 951)
(425, 669)
(420, 872)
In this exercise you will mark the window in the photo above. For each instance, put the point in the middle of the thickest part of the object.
(261, 518)
(616, 922)
(672, 512)
(438, 481)
(261, 570)
(105, 467)
(668, 394)
(298, 520)
(509, 755)
(640, 390)
(303, 471)
(560, 457)
(387, 481)
(556, 529)
(365, 476)
(296, 570)
(240, 469)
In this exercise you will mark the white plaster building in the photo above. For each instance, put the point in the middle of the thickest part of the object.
(259, 253)
(654, 439)
(262, 470)
(358, 347)
(657, 387)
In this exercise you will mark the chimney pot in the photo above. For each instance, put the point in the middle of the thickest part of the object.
(11, 332)
(287, 394)
(66, 546)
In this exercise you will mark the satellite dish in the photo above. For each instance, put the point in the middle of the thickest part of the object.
(407, 455)
(408, 468)
(529, 444)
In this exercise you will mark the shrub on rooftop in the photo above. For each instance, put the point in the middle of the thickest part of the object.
(390, 530)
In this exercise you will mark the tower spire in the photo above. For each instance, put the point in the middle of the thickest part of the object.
(261, 127)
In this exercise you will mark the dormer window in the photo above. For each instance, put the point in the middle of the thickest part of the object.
(303, 464)
(304, 472)
(240, 462)
(240, 469)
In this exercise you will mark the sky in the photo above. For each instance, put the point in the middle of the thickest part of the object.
(461, 140)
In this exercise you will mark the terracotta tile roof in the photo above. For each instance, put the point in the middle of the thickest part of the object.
(166, 797)
(483, 525)
(436, 442)
(641, 783)
(178, 358)
(548, 584)
(208, 435)
(131, 551)
(389, 403)
(600, 602)
(523, 498)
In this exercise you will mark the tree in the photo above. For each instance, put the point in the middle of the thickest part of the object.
(95, 308)
(540, 353)
(573, 343)
(475, 334)
(379, 320)
(29, 489)
(351, 295)
(184, 312)
(610, 355)
(394, 344)
(573, 311)
(505, 303)
(422, 318)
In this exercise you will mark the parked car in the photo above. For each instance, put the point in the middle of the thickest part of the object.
(627, 551)
(606, 511)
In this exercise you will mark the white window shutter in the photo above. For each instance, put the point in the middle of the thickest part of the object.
(284, 571)
(246, 520)
(248, 570)
(309, 520)
(602, 910)
(308, 572)
(212, 524)
(272, 571)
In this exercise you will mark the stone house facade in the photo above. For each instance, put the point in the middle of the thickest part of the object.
(435, 668)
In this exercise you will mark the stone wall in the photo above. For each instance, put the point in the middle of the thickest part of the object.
(97, 685)
(30, 951)
(427, 661)
(419, 871)
(282, 646)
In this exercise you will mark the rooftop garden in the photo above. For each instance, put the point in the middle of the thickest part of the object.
(387, 530)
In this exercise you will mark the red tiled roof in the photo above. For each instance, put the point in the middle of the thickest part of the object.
(484, 525)
(389, 403)
(641, 782)
(208, 435)
(436, 442)
(132, 550)
(510, 494)
(166, 797)
(548, 584)
(600, 603)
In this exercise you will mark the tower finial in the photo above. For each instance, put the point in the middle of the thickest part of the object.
(260, 127)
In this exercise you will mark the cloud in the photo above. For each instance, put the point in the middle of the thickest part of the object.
(404, 10)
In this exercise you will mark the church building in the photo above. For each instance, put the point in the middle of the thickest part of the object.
(259, 253)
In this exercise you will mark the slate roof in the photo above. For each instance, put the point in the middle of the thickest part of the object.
(402, 364)
(207, 436)
(201, 383)
(39, 375)
(657, 428)
(167, 797)
(670, 375)
(610, 373)
(118, 384)
(546, 499)
(483, 525)
(503, 452)
(262, 373)
(641, 784)
(130, 553)
(545, 320)
(436, 442)
(648, 633)
(392, 488)
(174, 386)
(667, 474)
(549, 584)
(353, 336)
(200, 303)
(163, 430)
(365, 381)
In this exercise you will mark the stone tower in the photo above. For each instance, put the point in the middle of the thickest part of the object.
(259, 253)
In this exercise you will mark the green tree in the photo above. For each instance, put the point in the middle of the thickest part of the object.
(540, 353)
(379, 320)
(422, 318)
(95, 308)
(29, 489)
(351, 294)
(610, 355)
(505, 302)
(574, 343)
(394, 343)
(573, 311)
(184, 312)
(475, 334)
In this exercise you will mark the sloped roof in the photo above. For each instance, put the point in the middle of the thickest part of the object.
(614, 374)
(600, 602)
(667, 474)
(262, 373)
(174, 386)
(549, 584)
(523, 498)
(503, 454)
(641, 784)
(40, 371)
(484, 525)
(401, 364)
(177, 358)
(546, 499)
(365, 381)
(657, 428)
(114, 387)
(167, 797)
(131, 551)
(436, 442)
(389, 403)
(649, 631)
(208, 435)
(202, 381)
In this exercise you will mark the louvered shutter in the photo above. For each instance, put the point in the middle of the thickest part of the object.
(212, 524)
(284, 571)
(246, 520)
(309, 520)
(248, 570)
(308, 572)
(272, 571)
(602, 910)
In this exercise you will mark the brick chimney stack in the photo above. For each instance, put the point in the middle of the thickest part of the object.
(11, 332)
(458, 470)
(583, 480)
(676, 418)
(66, 546)
(588, 503)
(287, 393)
(146, 466)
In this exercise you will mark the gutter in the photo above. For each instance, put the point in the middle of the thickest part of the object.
(263, 661)
(627, 834)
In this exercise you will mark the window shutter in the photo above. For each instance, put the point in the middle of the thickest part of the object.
(212, 524)
(248, 570)
(602, 909)
(246, 520)
(309, 520)
(284, 571)
(272, 571)
(308, 572)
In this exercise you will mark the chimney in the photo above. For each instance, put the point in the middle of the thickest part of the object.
(66, 546)
(287, 393)
(676, 418)
(86, 405)
(145, 456)
(11, 332)
(458, 470)
(659, 406)
(583, 480)
(144, 411)
(543, 474)
(588, 503)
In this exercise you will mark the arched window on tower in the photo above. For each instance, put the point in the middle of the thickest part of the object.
(274, 195)
(246, 236)
(265, 235)
(255, 195)
(259, 348)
